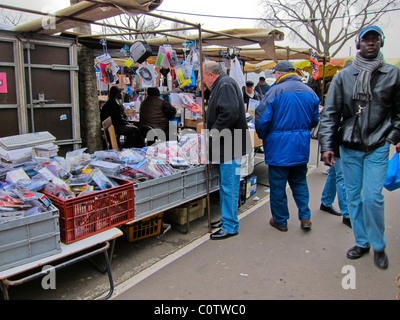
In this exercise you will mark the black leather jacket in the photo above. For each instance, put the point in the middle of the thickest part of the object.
(380, 120)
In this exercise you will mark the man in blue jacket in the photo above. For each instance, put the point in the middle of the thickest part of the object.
(284, 119)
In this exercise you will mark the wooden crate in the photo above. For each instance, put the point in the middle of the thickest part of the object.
(179, 214)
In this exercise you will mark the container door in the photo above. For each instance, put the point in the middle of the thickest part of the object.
(50, 74)
(9, 97)
(39, 87)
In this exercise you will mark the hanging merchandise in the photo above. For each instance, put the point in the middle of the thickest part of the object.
(314, 65)
(167, 57)
(147, 75)
(109, 69)
(172, 58)
(162, 59)
(140, 51)
(184, 74)
(236, 72)
(194, 58)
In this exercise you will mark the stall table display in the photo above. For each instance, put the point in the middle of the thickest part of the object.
(53, 207)
(84, 216)
(96, 244)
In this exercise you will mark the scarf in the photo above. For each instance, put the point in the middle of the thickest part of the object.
(362, 87)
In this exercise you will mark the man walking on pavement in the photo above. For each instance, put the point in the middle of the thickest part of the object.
(335, 185)
(229, 141)
(284, 119)
(366, 97)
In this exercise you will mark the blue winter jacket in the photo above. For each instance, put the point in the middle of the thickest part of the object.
(284, 119)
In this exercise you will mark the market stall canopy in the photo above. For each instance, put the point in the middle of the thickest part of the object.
(334, 65)
(394, 61)
(331, 68)
(264, 38)
(226, 38)
(259, 67)
(258, 58)
(86, 12)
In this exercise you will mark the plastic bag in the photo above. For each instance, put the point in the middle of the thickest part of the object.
(236, 72)
(392, 180)
(184, 74)
(147, 75)
(194, 58)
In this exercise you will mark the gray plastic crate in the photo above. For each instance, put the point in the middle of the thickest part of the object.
(28, 239)
(195, 184)
(156, 195)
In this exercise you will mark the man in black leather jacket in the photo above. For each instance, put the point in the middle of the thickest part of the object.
(372, 88)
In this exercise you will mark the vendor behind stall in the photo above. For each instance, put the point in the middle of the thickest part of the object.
(156, 112)
(114, 109)
(249, 93)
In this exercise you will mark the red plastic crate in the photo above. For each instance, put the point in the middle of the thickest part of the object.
(84, 216)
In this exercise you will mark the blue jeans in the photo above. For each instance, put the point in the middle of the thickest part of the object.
(364, 175)
(229, 184)
(335, 184)
(297, 178)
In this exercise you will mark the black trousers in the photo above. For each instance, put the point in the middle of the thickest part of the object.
(133, 138)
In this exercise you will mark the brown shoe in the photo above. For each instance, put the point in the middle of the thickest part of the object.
(277, 226)
(305, 224)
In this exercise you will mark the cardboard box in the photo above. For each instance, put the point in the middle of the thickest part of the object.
(248, 188)
(199, 127)
(179, 215)
(192, 123)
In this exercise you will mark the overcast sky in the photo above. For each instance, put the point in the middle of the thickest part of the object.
(227, 8)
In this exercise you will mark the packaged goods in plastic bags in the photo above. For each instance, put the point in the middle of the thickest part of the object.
(147, 75)
(184, 74)
(162, 59)
(392, 181)
(194, 58)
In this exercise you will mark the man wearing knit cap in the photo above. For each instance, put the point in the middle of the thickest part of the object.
(362, 116)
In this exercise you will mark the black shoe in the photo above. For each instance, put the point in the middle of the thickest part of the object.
(347, 222)
(216, 224)
(221, 234)
(356, 252)
(331, 210)
(381, 260)
(277, 226)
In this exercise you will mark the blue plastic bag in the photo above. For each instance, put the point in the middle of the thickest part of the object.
(392, 181)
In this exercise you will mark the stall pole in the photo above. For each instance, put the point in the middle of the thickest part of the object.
(204, 131)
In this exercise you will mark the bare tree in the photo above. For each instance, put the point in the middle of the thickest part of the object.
(139, 22)
(178, 25)
(324, 25)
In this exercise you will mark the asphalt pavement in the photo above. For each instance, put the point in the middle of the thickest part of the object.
(260, 263)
